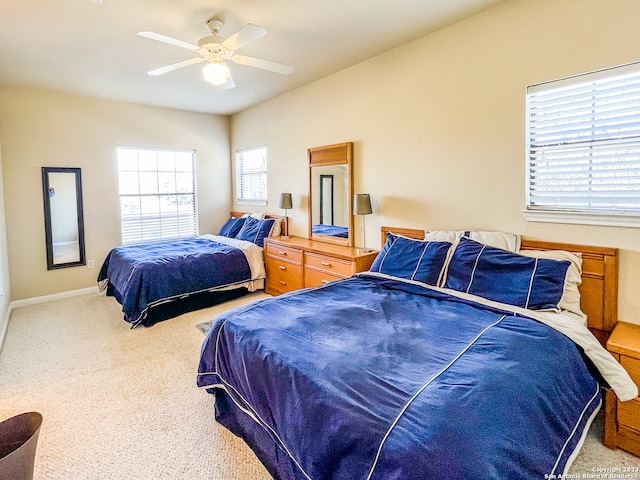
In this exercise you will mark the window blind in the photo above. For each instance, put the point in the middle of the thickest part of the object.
(584, 143)
(157, 194)
(251, 174)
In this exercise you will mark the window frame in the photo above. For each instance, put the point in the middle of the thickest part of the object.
(172, 222)
(615, 216)
(239, 176)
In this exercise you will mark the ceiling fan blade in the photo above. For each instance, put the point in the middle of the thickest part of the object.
(280, 68)
(169, 40)
(263, 64)
(175, 66)
(246, 34)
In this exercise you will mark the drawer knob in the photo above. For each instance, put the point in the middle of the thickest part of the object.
(282, 283)
(282, 267)
(281, 252)
(325, 264)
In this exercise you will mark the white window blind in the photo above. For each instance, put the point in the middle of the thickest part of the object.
(251, 175)
(584, 143)
(157, 194)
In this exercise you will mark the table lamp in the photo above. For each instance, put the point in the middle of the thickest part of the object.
(362, 206)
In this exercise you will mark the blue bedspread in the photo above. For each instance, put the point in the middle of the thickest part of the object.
(141, 276)
(331, 230)
(376, 378)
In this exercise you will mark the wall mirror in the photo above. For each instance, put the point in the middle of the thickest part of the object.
(63, 219)
(331, 194)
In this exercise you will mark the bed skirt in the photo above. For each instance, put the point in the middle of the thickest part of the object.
(196, 301)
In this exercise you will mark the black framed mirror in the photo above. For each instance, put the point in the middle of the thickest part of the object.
(63, 217)
(326, 200)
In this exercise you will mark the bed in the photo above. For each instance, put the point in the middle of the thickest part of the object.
(420, 368)
(160, 280)
(330, 230)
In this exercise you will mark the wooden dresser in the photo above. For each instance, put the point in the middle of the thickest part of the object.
(622, 422)
(296, 262)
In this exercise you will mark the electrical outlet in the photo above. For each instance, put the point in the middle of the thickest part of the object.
(90, 263)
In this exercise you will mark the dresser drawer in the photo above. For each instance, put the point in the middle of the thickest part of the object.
(629, 414)
(315, 278)
(328, 264)
(283, 276)
(290, 254)
(632, 366)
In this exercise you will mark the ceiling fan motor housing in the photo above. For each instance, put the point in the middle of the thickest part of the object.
(212, 44)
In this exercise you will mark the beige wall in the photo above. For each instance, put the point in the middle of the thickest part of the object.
(5, 287)
(438, 124)
(45, 128)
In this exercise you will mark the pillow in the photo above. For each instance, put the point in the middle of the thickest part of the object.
(231, 227)
(277, 227)
(255, 230)
(571, 299)
(506, 277)
(506, 241)
(411, 259)
(450, 236)
(257, 215)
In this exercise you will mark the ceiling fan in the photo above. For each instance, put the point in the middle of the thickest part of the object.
(216, 50)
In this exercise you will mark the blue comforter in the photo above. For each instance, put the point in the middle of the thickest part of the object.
(370, 377)
(141, 276)
(331, 230)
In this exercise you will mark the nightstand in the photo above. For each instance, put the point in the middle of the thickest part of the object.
(622, 419)
(296, 262)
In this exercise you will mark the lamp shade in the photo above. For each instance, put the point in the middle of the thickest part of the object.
(216, 73)
(361, 204)
(286, 201)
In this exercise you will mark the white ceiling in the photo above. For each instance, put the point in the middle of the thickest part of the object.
(91, 48)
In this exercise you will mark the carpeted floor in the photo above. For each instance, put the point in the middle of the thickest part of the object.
(118, 404)
(122, 404)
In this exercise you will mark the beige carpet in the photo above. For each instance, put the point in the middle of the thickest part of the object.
(122, 404)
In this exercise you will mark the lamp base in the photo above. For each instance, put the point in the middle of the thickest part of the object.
(363, 250)
(285, 236)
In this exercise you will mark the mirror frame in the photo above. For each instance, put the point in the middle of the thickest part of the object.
(338, 154)
(47, 217)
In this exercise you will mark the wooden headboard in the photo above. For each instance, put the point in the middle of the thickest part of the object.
(599, 288)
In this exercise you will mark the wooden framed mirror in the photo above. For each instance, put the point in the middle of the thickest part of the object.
(63, 217)
(331, 193)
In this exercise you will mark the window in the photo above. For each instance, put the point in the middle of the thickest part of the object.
(583, 162)
(157, 194)
(251, 175)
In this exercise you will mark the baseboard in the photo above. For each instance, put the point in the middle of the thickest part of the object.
(48, 298)
(5, 325)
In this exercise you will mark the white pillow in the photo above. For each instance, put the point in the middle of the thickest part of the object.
(505, 241)
(277, 227)
(570, 300)
(450, 236)
(256, 215)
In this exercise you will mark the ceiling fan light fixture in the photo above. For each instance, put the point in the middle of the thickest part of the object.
(216, 73)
